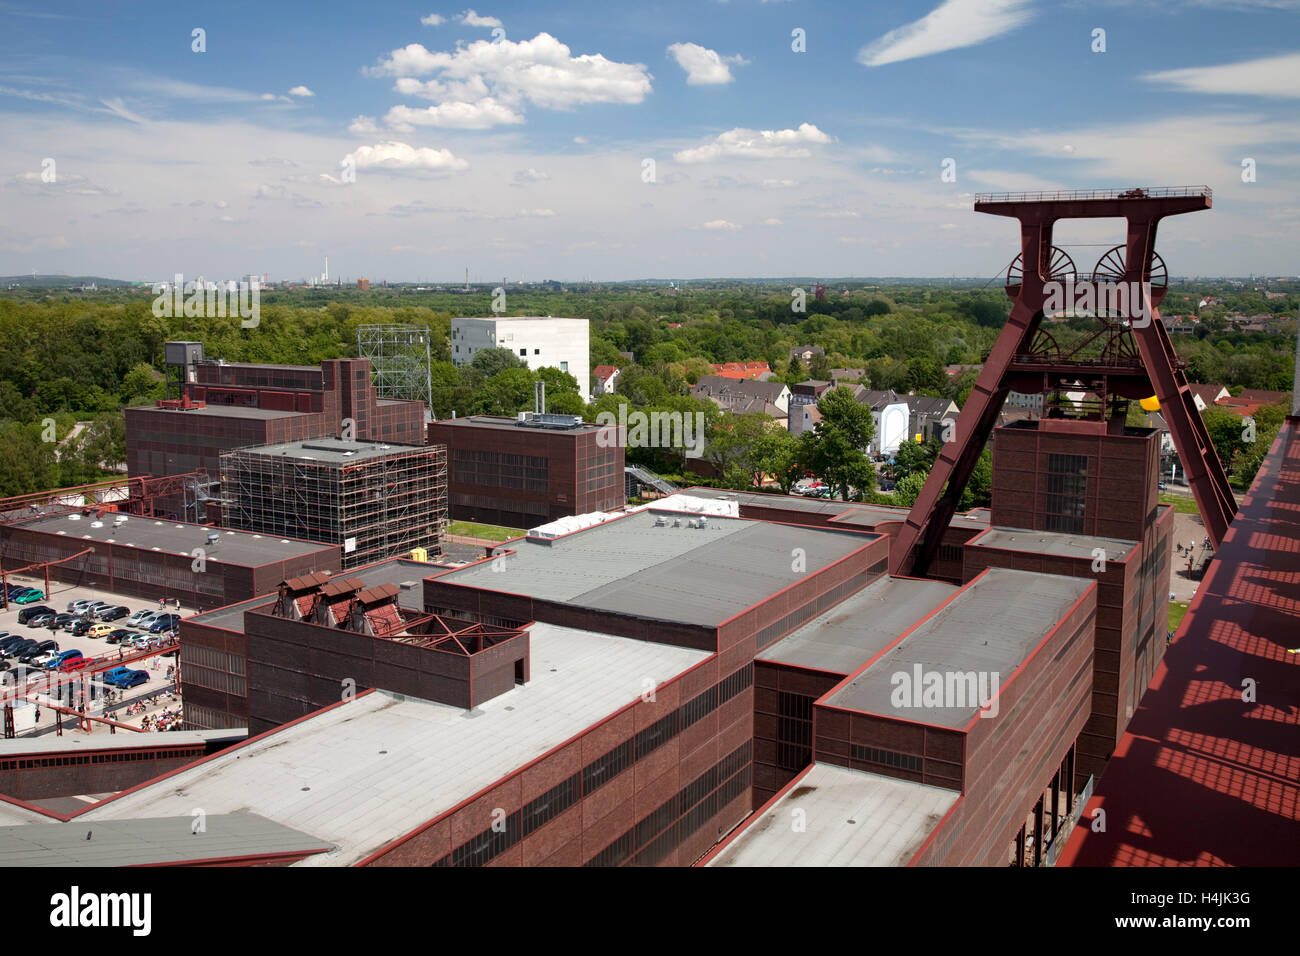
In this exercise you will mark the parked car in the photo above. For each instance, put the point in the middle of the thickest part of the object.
(76, 607)
(27, 613)
(30, 597)
(64, 620)
(71, 664)
(42, 620)
(22, 647)
(44, 647)
(114, 613)
(9, 641)
(79, 627)
(121, 636)
(164, 623)
(139, 617)
(131, 679)
(58, 657)
(109, 676)
(99, 630)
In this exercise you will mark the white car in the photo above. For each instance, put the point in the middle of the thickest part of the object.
(42, 660)
(142, 618)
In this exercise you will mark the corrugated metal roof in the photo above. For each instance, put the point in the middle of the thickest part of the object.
(154, 840)
(365, 772)
(692, 575)
(989, 627)
(858, 628)
(848, 818)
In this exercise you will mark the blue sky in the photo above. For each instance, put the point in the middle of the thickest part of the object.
(516, 139)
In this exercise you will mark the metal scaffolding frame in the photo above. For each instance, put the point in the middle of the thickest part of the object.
(374, 508)
(400, 360)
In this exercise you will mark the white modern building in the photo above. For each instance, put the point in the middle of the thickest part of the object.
(538, 340)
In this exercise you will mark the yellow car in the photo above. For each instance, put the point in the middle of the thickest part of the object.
(100, 630)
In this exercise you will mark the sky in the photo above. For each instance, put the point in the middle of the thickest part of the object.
(627, 140)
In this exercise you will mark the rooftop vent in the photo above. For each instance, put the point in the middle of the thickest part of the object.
(213, 538)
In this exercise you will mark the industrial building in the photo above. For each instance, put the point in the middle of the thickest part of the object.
(794, 681)
(223, 406)
(527, 471)
(372, 500)
(540, 341)
(200, 565)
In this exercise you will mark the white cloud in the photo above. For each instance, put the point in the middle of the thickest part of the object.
(1270, 76)
(581, 140)
(484, 114)
(703, 66)
(472, 19)
(301, 91)
(772, 221)
(268, 96)
(118, 108)
(530, 175)
(950, 26)
(720, 224)
(363, 126)
(535, 213)
(759, 144)
(433, 20)
(541, 71)
(394, 155)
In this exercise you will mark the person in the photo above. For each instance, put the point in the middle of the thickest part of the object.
(162, 604)
(38, 713)
(1206, 543)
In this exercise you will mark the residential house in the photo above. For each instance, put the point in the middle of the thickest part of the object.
(604, 380)
(741, 395)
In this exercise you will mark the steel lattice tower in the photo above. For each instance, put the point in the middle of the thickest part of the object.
(1136, 357)
(400, 361)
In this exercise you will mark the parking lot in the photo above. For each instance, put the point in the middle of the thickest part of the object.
(158, 688)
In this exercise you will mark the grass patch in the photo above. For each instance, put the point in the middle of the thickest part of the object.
(1183, 504)
(1176, 611)
(492, 532)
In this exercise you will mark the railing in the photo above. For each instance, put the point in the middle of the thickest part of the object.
(1066, 195)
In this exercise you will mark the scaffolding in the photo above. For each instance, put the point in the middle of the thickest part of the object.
(400, 360)
(378, 503)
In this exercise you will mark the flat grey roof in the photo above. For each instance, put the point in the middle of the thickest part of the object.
(512, 425)
(366, 772)
(393, 571)
(860, 626)
(73, 743)
(850, 818)
(683, 574)
(1056, 543)
(154, 534)
(13, 815)
(152, 840)
(223, 411)
(784, 502)
(333, 451)
(989, 627)
(871, 515)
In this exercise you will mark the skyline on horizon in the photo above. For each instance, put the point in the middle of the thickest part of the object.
(755, 140)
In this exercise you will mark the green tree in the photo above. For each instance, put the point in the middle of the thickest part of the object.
(492, 361)
(908, 488)
(840, 440)
(729, 442)
(779, 454)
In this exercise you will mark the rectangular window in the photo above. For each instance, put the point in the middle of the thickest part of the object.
(1067, 485)
(523, 351)
(564, 366)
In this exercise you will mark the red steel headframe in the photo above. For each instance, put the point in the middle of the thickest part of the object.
(917, 543)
